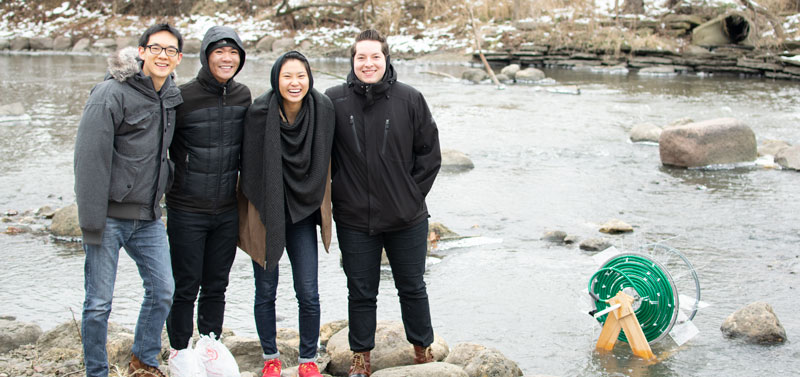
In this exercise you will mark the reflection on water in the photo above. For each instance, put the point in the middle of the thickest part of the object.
(543, 161)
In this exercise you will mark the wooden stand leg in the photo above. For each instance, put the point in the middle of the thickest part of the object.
(624, 319)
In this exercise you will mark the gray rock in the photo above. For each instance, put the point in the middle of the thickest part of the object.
(715, 141)
(327, 330)
(680, 122)
(615, 226)
(557, 236)
(13, 109)
(41, 43)
(423, 370)
(104, 45)
(455, 161)
(64, 342)
(661, 70)
(81, 45)
(474, 75)
(46, 211)
(246, 351)
(569, 240)
(529, 75)
(645, 132)
(756, 323)
(20, 43)
(123, 42)
(65, 222)
(479, 361)
(283, 45)
(265, 44)
(789, 158)
(503, 78)
(391, 349)
(4, 44)
(771, 147)
(62, 43)
(192, 46)
(14, 334)
(510, 70)
(595, 244)
(490, 362)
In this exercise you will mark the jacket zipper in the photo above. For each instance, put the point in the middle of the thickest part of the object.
(355, 134)
(221, 115)
(385, 135)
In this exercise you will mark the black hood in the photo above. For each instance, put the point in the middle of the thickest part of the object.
(215, 34)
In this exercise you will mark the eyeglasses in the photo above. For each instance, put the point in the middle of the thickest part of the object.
(156, 50)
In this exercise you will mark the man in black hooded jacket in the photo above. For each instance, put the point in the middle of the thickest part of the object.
(385, 158)
(202, 221)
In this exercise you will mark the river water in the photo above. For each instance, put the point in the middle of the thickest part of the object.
(543, 161)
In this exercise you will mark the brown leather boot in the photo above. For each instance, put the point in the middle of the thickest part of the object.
(423, 355)
(136, 368)
(360, 366)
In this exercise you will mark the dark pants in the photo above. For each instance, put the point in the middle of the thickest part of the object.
(361, 259)
(301, 246)
(203, 248)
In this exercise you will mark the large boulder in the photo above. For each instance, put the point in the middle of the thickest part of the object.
(41, 43)
(246, 351)
(529, 75)
(265, 44)
(479, 361)
(81, 45)
(474, 75)
(645, 132)
(715, 141)
(755, 323)
(423, 370)
(15, 333)
(4, 44)
(510, 70)
(20, 43)
(65, 222)
(391, 349)
(283, 45)
(64, 341)
(104, 45)
(453, 161)
(13, 109)
(192, 46)
(771, 147)
(62, 43)
(327, 330)
(789, 158)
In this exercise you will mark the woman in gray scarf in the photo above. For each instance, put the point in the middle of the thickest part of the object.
(284, 195)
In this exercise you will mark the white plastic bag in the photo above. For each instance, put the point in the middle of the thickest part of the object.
(218, 360)
(185, 363)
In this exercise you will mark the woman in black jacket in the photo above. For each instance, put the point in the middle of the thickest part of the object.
(284, 185)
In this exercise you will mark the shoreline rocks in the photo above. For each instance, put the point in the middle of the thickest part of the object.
(59, 352)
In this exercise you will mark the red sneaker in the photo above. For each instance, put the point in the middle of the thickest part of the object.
(272, 368)
(308, 369)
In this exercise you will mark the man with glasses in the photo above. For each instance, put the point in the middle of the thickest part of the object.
(121, 172)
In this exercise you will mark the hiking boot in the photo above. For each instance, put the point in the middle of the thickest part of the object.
(272, 368)
(423, 355)
(360, 366)
(308, 369)
(136, 368)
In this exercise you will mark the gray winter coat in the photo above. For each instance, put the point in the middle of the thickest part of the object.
(121, 165)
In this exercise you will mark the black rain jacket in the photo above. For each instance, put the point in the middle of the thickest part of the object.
(208, 137)
(385, 156)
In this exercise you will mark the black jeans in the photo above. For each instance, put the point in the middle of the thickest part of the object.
(361, 259)
(203, 248)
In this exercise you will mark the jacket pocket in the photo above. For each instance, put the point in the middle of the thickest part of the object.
(124, 171)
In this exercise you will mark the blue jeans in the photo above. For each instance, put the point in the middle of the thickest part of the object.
(301, 246)
(146, 243)
(406, 250)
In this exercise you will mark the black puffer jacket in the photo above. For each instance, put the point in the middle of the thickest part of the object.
(208, 137)
(385, 156)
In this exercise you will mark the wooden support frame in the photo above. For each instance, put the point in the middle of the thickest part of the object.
(624, 319)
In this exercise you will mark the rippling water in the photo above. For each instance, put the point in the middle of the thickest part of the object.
(543, 161)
